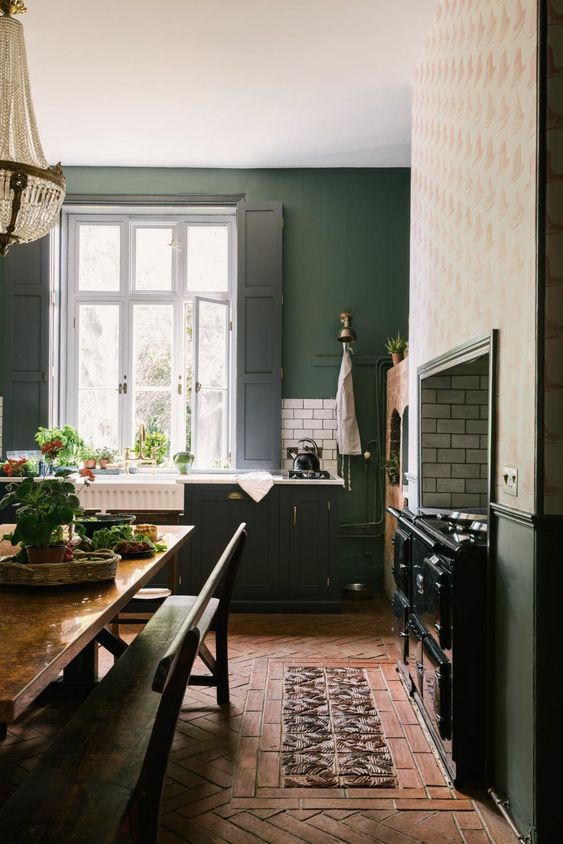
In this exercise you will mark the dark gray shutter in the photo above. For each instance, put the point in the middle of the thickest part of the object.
(259, 304)
(25, 343)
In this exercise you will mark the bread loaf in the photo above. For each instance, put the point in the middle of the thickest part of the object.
(148, 530)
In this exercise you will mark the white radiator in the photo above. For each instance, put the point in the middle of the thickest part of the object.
(133, 495)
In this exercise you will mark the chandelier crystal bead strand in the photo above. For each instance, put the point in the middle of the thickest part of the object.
(31, 192)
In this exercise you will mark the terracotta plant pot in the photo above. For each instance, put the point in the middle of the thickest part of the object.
(397, 357)
(89, 464)
(52, 554)
(103, 464)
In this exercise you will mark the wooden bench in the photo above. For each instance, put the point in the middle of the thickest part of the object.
(107, 765)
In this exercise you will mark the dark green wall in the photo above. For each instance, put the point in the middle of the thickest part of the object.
(346, 247)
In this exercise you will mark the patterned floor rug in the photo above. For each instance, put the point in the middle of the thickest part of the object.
(332, 734)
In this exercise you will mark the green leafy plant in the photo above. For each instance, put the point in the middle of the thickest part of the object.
(396, 345)
(42, 508)
(393, 468)
(154, 440)
(88, 454)
(69, 448)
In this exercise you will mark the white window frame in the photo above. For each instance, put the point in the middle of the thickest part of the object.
(71, 297)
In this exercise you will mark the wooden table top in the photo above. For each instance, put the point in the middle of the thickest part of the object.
(43, 628)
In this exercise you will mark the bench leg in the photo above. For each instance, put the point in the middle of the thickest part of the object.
(221, 664)
(3, 730)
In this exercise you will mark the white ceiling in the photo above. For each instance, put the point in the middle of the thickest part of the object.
(225, 83)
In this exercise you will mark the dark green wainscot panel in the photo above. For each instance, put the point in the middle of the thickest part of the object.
(289, 563)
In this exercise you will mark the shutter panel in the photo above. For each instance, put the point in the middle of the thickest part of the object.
(259, 299)
(25, 342)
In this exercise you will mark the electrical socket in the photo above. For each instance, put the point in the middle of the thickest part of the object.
(510, 480)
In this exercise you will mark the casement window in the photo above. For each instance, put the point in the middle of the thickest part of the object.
(150, 330)
(169, 314)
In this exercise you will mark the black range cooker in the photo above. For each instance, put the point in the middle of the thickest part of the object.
(439, 610)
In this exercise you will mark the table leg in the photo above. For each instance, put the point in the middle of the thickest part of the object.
(172, 572)
(84, 667)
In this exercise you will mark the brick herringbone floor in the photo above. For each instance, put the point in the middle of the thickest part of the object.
(224, 775)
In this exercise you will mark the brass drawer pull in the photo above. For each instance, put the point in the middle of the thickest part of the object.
(294, 516)
(235, 496)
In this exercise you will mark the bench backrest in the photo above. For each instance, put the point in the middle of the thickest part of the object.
(171, 678)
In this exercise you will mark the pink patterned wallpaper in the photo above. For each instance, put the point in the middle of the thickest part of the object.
(553, 485)
(473, 208)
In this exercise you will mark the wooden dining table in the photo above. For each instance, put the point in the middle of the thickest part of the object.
(52, 629)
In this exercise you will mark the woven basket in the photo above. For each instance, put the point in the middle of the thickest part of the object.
(87, 567)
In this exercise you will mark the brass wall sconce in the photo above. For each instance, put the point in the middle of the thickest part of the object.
(346, 333)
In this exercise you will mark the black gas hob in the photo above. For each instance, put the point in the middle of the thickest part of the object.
(309, 475)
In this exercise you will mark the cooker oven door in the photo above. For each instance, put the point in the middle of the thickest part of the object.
(401, 560)
(437, 690)
(416, 635)
(400, 609)
(433, 584)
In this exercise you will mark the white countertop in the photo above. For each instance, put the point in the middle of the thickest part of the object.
(140, 479)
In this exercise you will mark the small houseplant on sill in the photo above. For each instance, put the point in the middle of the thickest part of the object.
(89, 456)
(397, 348)
(105, 455)
(43, 509)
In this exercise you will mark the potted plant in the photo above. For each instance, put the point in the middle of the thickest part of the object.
(42, 508)
(89, 456)
(397, 347)
(60, 446)
(393, 469)
(155, 443)
(105, 455)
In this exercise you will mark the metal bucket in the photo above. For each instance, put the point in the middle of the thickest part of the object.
(357, 591)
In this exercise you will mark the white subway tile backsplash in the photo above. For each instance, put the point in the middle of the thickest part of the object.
(451, 455)
(312, 418)
(465, 412)
(450, 396)
(436, 411)
(454, 438)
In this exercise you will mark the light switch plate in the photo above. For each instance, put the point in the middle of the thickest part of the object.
(510, 480)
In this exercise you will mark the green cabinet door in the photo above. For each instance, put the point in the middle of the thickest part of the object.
(208, 508)
(289, 562)
(216, 510)
(309, 516)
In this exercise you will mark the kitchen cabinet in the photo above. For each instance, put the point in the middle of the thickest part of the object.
(289, 562)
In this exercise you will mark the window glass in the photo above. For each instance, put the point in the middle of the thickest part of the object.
(208, 259)
(152, 366)
(153, 258)
(98, 374)
(99, 252)
(212, 367)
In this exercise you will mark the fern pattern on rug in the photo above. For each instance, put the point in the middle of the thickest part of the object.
(332, 734)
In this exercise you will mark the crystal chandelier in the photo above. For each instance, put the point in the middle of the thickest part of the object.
(31, 192)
